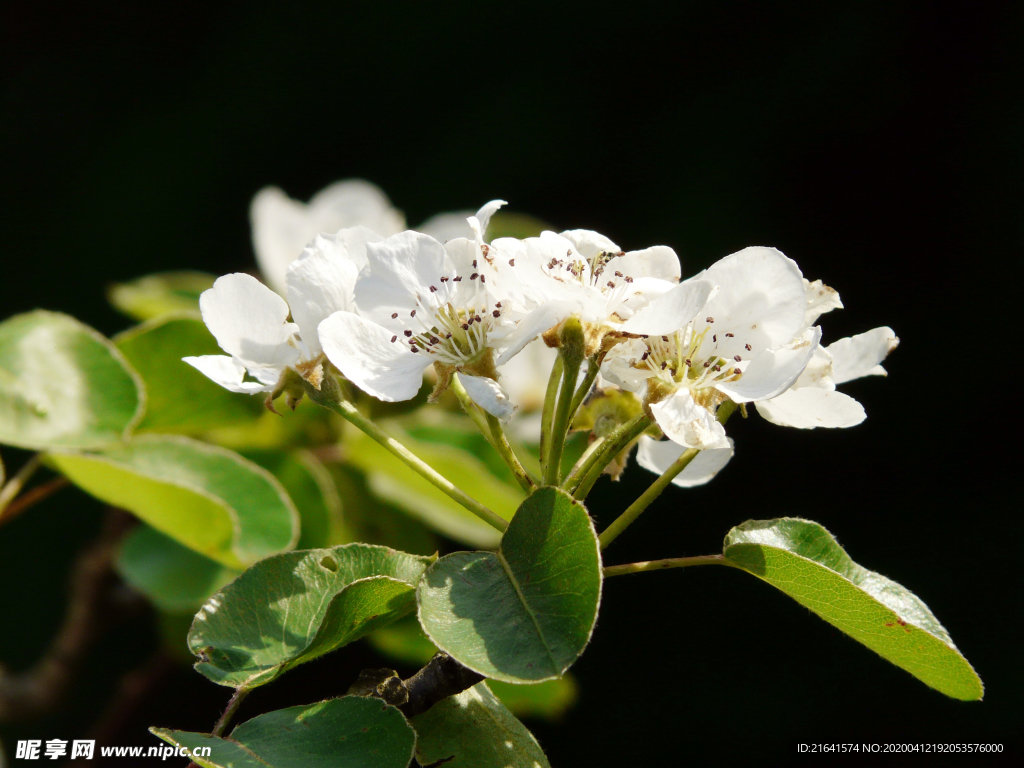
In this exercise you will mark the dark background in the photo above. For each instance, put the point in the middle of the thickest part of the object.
(877, 144)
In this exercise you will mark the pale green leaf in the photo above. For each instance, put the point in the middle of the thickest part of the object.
(474, 730)
(63, 385)
(802, 559)
(524, 613)
(165, 292)
(291, 608)
(208, 498)
(353, 732)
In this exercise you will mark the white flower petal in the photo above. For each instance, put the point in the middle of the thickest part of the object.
(860, 355)
(687, 423)
(530, 326)
(818, 372)
(820, 299)
(249, 321)
(482, 219)
(488, 395)
(657, 261)
(810, 407)
(447, 226)
(401, 268)
(672, 310)
(366, 356)
(321, 282)
(658, 455)
(281, 227)
(773, 371)
(222, 370)
(761, 300)
(589, 243)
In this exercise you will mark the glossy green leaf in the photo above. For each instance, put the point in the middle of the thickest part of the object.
(473, 729)
(392, 481)
(63, 385)
(804, 560)
(173, 577)
(310, 485)
(524, 613)
(353, 731)
(292, 608)
(159, 294)
(180, 398)
(207, 498)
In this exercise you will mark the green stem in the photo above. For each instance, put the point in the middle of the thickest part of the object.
(13, 487)
(560, 424)
(584, 389)
(577, 468)
(492, 430)
(659, 565)
(548, 414)
(583, 479)
(329, 396)
(633, 511)
(232, 708)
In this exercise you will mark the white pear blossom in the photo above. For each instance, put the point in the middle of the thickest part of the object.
(421, 303)
(250, 322)
(813, 401)
(584, 274)
(281, 227)
(748, 342)
(658, 455)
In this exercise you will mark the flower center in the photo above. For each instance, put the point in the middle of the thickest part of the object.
(690, 359)
(452, 323)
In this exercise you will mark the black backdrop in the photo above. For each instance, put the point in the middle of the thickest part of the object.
(877, 144)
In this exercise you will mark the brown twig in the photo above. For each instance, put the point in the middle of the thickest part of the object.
(31, 497)
(39, 690)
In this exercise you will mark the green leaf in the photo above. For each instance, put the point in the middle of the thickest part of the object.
(392, 481)
(175, 578)
(291, 608)
(549, 700)
(518, 225)
(473, 729)
(804, 560)
(524, 613)
(63, 385)
(181, 399)
(159, 294)
(311, 487)
(207, 498)
(353, 731)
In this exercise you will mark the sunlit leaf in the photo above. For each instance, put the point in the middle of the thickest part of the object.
(291, 608)
(524, 613)
(209, 499)
(549, 700)
(63, 385)
(159, 294)
(804, 560)
(353, 731)
(473, 729)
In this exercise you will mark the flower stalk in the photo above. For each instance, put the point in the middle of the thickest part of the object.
(660, 565)
(330, 396)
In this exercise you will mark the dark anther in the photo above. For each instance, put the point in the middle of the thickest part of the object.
(407, 333)
(474, 276)
(729, 335)
(511, 262)
(709, 319)
(394, 315)
(737, 358)
(496, 313)
(394, 339)
(433, 289)
(413, 313)
(457, 279)
(747, 347)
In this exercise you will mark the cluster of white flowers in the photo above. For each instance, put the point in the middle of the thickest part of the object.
(383, 305)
